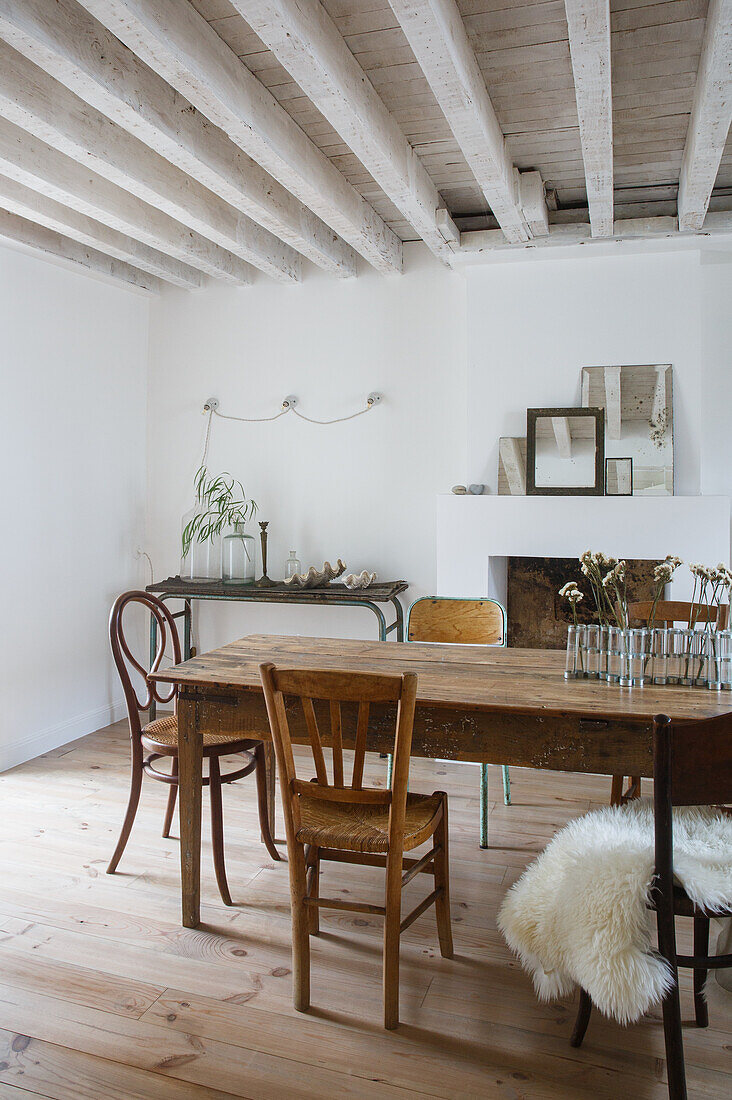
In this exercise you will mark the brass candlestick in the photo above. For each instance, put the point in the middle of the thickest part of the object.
(264, 581)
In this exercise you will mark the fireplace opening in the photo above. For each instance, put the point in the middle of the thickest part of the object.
(538, 616)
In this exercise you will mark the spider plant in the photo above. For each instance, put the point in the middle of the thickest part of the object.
(220, 502)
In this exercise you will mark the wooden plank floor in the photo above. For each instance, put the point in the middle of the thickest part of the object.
(103, 994)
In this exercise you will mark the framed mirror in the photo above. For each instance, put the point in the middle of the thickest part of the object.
(565, 452)
(618, 477)
(638, 406)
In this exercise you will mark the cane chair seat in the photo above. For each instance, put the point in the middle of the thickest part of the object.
(364, 828)
(163, 734)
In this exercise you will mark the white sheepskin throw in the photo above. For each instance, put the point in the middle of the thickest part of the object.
(578, 914)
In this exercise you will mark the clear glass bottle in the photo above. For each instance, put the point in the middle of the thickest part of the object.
(238, 556)
(292, 565)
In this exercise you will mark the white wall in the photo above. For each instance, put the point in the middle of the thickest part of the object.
(72, 449)
(365, 490)
(532, 327)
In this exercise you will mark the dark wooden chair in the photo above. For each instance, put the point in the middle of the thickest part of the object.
(692, 766)
(666, 613)
(457, 620)
(159, 739)
(352, 823)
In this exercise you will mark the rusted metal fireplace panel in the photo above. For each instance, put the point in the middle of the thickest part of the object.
(537, 614)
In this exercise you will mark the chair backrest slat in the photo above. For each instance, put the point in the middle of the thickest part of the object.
(459, 621)
(677, 611)
(697, 765)
(315, 744)
(336, 732)
(359, 753)
(313, 689)
(692, 766)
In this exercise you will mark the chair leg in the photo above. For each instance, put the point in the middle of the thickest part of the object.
(217, 829)
(701, 947)
(506, 785)
(583, 1018)
(672, 1035)
(313, 863)
(484, 805)
(300, 930)
(172, 795)
(442, 882)
(392, 922)
(132, 804)
(616, 791)
(263, 803)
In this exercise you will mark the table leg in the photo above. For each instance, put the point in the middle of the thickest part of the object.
(190, 765)
(399, 612)
(187, 624)
(153, 653)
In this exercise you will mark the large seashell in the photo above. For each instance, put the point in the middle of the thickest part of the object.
(359, 580)
(317, 578)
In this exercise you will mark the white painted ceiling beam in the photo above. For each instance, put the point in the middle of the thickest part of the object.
(589, 45)
(436, 33)
(32, 99)
(711, 117)
(488, 241)
(611, 377)
(175, 41)
(25, 232)
(71, 45)
(36, 165)
(533, 203)
(35, 207)
(307, 43)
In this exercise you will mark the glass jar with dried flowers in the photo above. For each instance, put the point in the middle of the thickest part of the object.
(574, 663)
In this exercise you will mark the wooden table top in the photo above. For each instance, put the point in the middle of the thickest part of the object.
(382, 592)
(517, 681)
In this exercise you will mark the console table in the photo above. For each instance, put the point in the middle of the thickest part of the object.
(336, 595)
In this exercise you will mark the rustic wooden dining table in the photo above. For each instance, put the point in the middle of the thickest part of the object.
(474, 703)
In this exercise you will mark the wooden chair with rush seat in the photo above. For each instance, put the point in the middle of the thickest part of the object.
(159, 738)
(444, 619)
(351, 823)
(692, 766)
(665, 613)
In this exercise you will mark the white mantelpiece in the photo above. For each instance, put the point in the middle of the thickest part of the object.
(475, 535)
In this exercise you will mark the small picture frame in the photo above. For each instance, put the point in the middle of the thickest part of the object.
(618, 477)
(565, 452)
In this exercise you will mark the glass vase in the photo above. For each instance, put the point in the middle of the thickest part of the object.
(570, 664)
(202, 563)
(659, 655)
(604, 652)
(613, 654)
(592, 649)
(686, 663)
(725, 659)
(237, 558)
(675, 655)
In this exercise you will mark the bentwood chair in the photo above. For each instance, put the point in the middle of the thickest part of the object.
(692, 766)
(159, 739)
(665, 614)
(444, 619)
(351, 823)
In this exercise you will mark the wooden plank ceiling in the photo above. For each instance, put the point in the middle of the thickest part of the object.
(398, 120)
